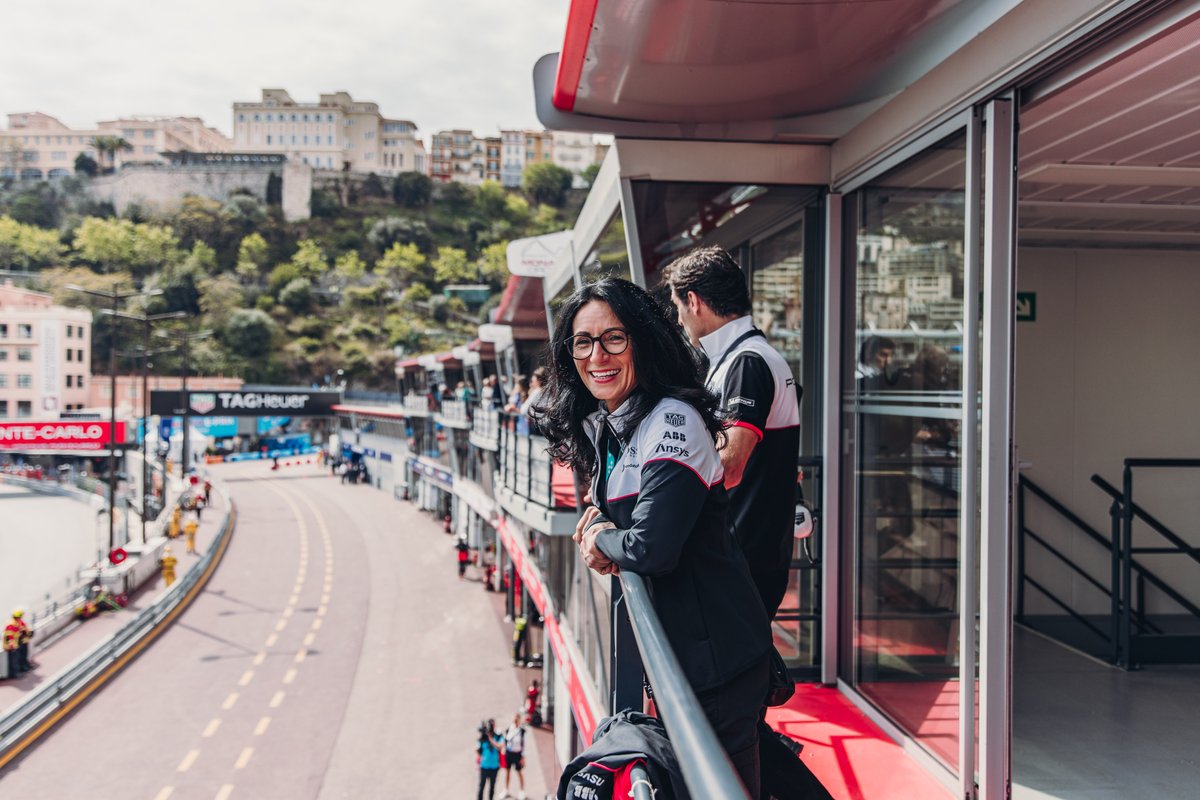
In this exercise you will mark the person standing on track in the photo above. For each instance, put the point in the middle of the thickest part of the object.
(168, 563)
(514, 756)
(488, 748)
(189, 531)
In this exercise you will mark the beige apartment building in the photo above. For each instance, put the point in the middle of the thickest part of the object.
(45, 355)
(337, 132)
(37, 146)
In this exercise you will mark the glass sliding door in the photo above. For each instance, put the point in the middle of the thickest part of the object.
(904, 406)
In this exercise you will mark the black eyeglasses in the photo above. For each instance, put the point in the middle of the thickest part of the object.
(614, 341)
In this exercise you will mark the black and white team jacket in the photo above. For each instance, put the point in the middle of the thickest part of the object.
(758, 392)
(666, 496)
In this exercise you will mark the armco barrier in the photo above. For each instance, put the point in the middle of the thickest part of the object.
(58, 696)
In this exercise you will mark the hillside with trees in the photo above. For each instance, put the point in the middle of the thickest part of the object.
(364, 279)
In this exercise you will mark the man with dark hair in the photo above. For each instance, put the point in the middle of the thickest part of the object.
(758, 395)
(762, 406)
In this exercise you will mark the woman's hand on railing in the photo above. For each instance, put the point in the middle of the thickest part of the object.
(585, 535)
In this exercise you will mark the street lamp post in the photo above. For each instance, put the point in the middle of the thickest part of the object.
(183, 339)
(148, 321)
(115, 297)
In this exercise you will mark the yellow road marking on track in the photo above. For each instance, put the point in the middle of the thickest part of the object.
(293, 599)
(309, 639)
(211, 727)
(324, 598)
(261, 727)
(321, 611)
(289, 676)
(164, 793)
(287, 612)
(281, 624)
(296, 589)
(224, 792)
(271, 640)
(244, 758)
(247, 676)
(229, 701)
(300, 654)
(188, 760)
(276, 700)
(259, 658)
(316, 624)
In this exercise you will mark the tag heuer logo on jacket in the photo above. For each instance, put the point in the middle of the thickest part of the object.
(675, 420)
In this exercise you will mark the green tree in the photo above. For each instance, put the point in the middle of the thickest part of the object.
(491, 201)
(403, 230)
(309, 260)
(546, 183)
(412, 189)
(372, 186)
(493, 264)
(107, 147)
(86, 165)
(219, 298)
(452, 266)
(417, 293)
(297, 295)
(118, 244)
(26, 246)
(324, 203)
(402, 264)
(248, 333)
(349, 268)
(589, 174)
(281, 276)
(253, 255)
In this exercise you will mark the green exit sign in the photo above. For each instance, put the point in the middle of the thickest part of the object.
(1026, 306)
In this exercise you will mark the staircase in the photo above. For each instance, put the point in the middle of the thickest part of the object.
(1128, 635)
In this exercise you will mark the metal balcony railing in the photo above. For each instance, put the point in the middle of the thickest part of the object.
(526, 469)
(640, 645)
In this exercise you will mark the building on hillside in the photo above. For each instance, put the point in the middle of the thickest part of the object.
(519, 149)
(37, 146)
(451, 155)
(150, 138)
(45, 355)
(336, 132)
(459, 155)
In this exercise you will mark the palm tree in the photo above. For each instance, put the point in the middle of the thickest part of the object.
(107, 147)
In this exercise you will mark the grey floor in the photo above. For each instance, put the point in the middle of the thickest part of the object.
(44, 540)
(1086, 731)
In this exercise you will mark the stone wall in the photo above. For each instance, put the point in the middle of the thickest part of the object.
(163, 187)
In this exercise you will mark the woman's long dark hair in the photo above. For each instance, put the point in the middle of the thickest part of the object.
(663, 363)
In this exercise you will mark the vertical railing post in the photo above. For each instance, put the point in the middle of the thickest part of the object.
(625, 662)
(1141, 602)
(1020, 550)
(1118, 646)
(1127, 567)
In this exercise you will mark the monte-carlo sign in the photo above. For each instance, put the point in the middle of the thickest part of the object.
(281, 402)
(58, 435)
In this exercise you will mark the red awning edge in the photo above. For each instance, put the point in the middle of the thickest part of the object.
(580, 19)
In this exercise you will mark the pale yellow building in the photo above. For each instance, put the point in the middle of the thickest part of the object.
(337, 132)
(37, 146)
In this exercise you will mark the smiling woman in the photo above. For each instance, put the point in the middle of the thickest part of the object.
(660, 503)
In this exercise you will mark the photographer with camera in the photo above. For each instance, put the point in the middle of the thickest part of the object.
(488, 750)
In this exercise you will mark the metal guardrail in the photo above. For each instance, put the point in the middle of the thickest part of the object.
(58, 695)
(706, 767)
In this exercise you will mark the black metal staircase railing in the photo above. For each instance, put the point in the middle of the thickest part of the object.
(1129, 636)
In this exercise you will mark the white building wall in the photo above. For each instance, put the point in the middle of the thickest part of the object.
(1108, 371)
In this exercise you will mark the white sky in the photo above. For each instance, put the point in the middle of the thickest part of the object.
(453, 63)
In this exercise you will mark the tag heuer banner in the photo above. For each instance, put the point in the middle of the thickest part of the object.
(286, 402)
